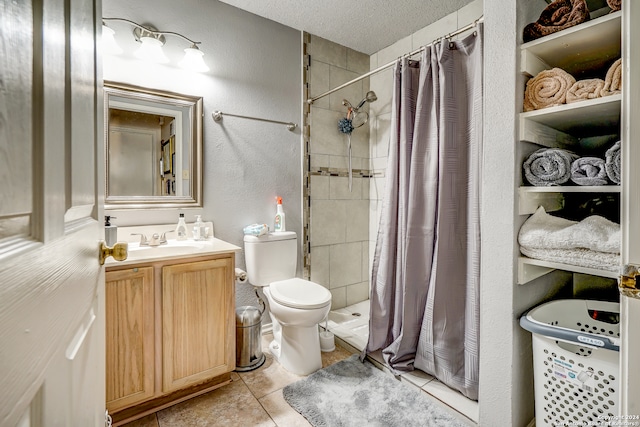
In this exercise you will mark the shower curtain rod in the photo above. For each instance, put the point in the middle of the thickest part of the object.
(406, 55)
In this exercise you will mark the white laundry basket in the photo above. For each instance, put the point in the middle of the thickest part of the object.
(575, 361)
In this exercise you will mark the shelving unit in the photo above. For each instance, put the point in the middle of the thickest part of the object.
(585, 51)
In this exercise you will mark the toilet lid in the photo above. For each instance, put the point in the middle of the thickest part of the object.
(299, 293)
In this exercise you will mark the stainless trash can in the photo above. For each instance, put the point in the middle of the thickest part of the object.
(249, 353)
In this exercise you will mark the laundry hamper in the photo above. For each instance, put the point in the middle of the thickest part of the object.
(575, 361)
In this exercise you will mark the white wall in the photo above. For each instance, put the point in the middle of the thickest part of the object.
(255, 71)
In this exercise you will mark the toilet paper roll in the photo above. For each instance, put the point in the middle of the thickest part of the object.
(241, 276)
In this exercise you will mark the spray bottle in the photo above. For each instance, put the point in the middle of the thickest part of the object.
(279, 223)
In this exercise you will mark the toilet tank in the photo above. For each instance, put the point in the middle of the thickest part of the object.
(270, 257)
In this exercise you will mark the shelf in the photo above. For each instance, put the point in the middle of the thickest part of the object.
(552, 198)
(589, 46)
(600, 116)
(570, 189)
(530, 269)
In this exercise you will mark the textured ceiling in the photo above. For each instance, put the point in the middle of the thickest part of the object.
(365, 25)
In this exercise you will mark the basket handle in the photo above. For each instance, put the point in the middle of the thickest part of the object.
(569, 335)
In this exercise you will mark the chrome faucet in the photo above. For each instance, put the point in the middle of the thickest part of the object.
(143, 239)
(156, 239)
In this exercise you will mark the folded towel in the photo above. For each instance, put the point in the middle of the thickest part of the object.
(615, 5)
(549, 166)
(613, 79)
(585, 89)
(589, 171)
(612, 163)
(547, 89)
(577, 257)
(544, 231)
(256, 229)
(557, 16)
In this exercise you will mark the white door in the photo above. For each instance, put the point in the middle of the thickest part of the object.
(630, 306)
(51, 283)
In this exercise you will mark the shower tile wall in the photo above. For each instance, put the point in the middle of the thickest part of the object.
(380, 112)
(337, 229)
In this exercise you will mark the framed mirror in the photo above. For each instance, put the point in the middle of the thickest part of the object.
(153, 148)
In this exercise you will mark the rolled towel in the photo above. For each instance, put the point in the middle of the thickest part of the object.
(615, 5)
(557, 16)
(589, 171)
(613, 79)
(549, 166)
(612, 162)
(547, 89)
(585, 89)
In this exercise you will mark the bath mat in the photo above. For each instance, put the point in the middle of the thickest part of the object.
(352, 393)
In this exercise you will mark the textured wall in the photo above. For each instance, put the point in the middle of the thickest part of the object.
(256, 71)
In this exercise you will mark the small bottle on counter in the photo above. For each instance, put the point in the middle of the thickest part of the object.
(110, 231)
(181, 228)
(199, 232)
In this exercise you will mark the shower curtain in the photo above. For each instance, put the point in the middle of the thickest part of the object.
(426, 268)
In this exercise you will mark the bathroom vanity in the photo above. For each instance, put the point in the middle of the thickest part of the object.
(170, 325)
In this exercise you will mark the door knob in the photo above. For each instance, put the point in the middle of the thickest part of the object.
(119, 251)
(629, 281)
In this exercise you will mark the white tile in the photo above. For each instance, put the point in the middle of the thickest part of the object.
(394, 51)
(436, 30)
(327, 51)
(325, 137)
(319, 187)
(357, 217)
(328, 222)
(383, 135)
(376, 189)
(382, 84)
(357, 61)
(338, 317)
(366, 271)
(338, 297)
(320, 265)
(360, 141)
(340, 162)
(319, 82)
(373, 61)
(339, 188)
(352, 93)
(469, 13)
(379, 164)
(344, 262)
(357, 293)
(417, 377)
(319, 161)
(372, 252)
(452, 398)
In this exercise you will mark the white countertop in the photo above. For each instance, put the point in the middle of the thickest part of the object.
(173, 249)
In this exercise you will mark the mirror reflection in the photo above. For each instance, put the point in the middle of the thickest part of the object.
(153, 143)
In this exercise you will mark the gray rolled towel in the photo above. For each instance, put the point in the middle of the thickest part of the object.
(589, 171)
(612, 162)
(549, 166)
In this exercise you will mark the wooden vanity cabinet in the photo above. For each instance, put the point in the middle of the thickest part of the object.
(130, 335)
(170, 328)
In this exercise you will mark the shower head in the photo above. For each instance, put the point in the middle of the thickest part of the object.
(369, 97)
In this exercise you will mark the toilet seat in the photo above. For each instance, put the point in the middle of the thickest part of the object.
(299, 293)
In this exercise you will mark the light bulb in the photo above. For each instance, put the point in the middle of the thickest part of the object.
(151, 50)
(193, 61)
(109, 44)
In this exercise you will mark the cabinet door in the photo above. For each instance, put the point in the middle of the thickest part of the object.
(198, 322)
(130, 337)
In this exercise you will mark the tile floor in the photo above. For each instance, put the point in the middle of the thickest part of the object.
(255, 398)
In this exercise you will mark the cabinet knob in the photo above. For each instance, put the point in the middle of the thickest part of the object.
(119, 251)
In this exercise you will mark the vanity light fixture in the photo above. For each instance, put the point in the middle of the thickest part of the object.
(152, 41)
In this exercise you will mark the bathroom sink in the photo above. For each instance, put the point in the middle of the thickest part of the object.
(171, 249)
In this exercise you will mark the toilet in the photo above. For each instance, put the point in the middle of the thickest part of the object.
(296, 306)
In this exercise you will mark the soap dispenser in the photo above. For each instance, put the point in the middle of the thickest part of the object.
(199, 232)
(110, 231)
(181, 228)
